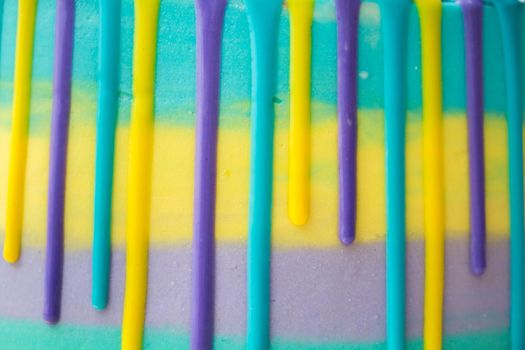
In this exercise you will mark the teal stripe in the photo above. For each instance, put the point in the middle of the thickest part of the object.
(263, 17)
(509, 15)
(105, 145)
(395, 18)
(24, 335)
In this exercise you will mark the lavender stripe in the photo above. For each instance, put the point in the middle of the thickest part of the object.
(314, 292)
(347, 27)
(473, 18)
(57, 159)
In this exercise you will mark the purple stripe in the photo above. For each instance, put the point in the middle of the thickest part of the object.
(347, 28)
(210, 15)
(57, 158)
(473, 18)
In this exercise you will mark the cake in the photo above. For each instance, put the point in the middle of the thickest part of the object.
(257, 174)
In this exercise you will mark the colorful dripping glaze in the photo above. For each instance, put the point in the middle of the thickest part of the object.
(64, 25)
(394, 30)
(19, 130)
(433, 174)
(301, 16)
(508, 13)
(473, 19)
(263, 20)
(108, 81)
(209, 22)
(139, 173)
(347, 29)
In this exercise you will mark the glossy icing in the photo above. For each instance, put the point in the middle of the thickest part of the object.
(394, 29)
(209, 22)
(64, 27)
(263, 19)
(473, 21)
(301, 16)
(19, 129)
(139, 173)
(347, 27)
(107, 113)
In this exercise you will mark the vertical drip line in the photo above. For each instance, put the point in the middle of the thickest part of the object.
(473, 19)
(347, 34)
(209, 22)
(509, 13)
(394, 28)
(301, 16)
(433, 175)
(139, 172)
(263, 20)
(64, 27)
(108, 92)
(25, 34)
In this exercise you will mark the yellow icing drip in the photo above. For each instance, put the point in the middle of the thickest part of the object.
(433, 172)
(301, 15)
(139, 175)
(19, 129)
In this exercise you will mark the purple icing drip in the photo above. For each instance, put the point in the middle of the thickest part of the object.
(210, 15)
(473, 17)
(57, 159)
(347, 29)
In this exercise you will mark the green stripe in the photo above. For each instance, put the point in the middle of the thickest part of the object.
(29, 335)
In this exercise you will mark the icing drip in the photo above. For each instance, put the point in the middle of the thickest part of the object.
(473, 18)
(509, 17)
(64, 22)
(139, 174)
(301, 15)
(108, 79)
(394, 28)
(19, 129)
(347, 30)
(433, 176)
(210, 16)
(263, 19)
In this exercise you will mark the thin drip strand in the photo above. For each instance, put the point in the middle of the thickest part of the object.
(139, 173)
(394, 29)
(64, 25)
(210, 17)
(347, 30)
(301, 15)
(263, 20)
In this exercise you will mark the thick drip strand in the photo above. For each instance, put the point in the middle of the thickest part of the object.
(301, 14)
(509, 15)
(19, 129)
(108, 90)
(394, 29)
(64, 25)
(210, 16)
(263, 19)
(139, 173)
(347, 30)
(433, 176)
(473, 19)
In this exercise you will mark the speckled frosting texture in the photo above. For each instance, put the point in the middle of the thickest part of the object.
(323, 295)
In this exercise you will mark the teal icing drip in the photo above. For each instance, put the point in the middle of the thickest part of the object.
(509, 14)
(263, 18)
(106, 122)
(395, 18)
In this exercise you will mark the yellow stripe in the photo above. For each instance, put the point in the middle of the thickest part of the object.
(139, 175)
(19, 129)
(301, 15)
(433, 173)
